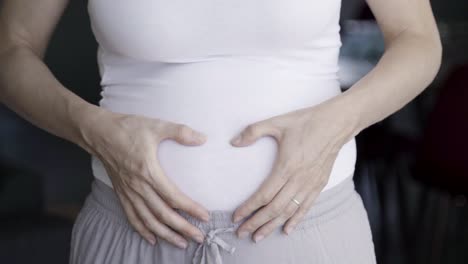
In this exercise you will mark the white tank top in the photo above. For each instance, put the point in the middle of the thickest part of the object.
(218, 66)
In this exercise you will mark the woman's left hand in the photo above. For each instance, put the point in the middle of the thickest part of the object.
(309, 140)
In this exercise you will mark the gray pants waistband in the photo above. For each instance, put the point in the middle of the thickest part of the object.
(327, 204)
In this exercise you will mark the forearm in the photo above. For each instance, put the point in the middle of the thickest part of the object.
(407, 67)
(28, 88)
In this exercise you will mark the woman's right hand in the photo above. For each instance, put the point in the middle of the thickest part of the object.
(127, 146)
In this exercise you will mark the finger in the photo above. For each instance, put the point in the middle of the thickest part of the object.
(253, 132)
(173, 196)
(272, 225)
(282, 170)
(135, 220)
(273, 209)
(297, 187)
(152, 223)
(311, 196)
(167, 215)
(298, 215)
(185, 135)
(262, 196)
(182, 134)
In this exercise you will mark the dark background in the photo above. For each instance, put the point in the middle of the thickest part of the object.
(412, 168)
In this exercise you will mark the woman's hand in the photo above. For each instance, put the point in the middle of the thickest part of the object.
(127, 146)
(309, 140)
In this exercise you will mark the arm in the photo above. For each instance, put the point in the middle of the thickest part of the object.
(409, 64)
(310, 139)
(124, 143)
(26, 84)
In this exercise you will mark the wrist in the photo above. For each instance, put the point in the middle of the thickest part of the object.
(346, 113)
(85, 119)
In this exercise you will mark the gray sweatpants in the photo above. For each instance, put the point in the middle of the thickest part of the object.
(335, 230)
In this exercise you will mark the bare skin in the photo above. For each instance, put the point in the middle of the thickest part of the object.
(308, 138)
(126, 144)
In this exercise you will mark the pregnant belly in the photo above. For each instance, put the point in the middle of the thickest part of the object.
(219, 100)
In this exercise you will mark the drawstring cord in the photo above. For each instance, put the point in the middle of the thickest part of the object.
(208, 252)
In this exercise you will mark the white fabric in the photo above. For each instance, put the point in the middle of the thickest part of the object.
(218, 66)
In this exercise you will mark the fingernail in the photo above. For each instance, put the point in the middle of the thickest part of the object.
(288, 230)
(237, 218)
(152, 241)
(182, 244)
(258, 238)
(202, 137)
(206, 218)
(243, 234)
(199, 238)
(199, 139)
(236, 140)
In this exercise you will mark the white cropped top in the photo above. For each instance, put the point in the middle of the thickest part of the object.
(218, 66)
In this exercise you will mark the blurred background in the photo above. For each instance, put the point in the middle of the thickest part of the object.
(412, 168)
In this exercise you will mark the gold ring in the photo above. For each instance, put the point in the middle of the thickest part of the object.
(296, 201)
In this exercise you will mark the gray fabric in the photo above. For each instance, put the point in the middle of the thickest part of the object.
(208, 252)
(335, 230)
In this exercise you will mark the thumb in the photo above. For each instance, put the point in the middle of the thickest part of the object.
(185, 135)
(252, 133)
